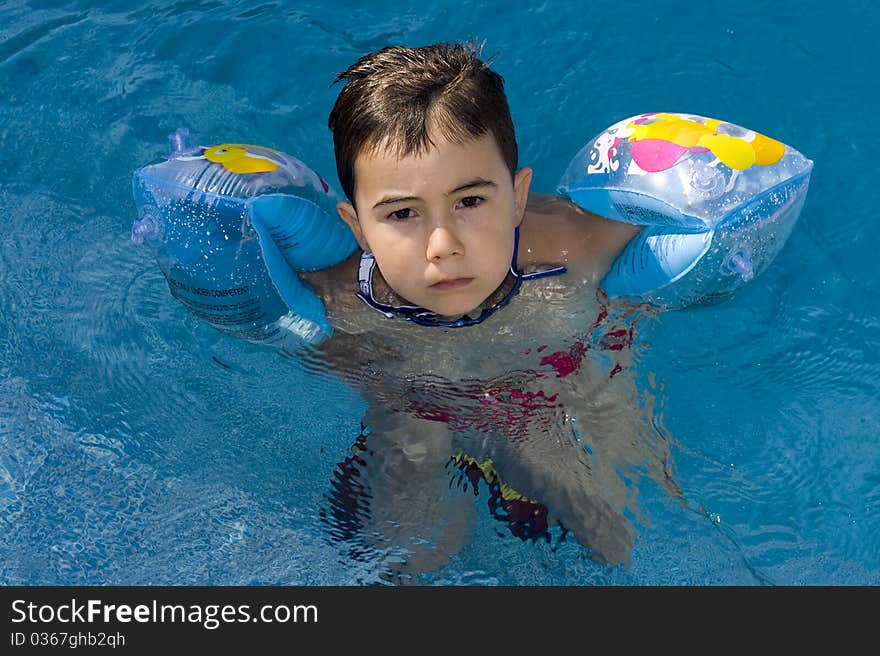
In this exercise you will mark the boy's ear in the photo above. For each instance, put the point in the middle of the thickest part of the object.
(348, 214)
(521, 182)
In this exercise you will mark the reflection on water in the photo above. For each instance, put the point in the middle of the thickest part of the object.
(555, 446)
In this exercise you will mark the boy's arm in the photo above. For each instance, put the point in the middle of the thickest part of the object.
(555, 230)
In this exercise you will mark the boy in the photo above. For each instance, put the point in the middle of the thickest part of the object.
(450, 234)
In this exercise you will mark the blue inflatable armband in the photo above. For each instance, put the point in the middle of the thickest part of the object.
(231, 225)
(719, 202)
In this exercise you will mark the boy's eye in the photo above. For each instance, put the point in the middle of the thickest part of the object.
(471, 201)
(400, 215)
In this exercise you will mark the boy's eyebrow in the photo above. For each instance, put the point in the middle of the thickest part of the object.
(471, 184)
(476, 182)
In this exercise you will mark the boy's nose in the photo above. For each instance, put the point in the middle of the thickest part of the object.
(442, 243)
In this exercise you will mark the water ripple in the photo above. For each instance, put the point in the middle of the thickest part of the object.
(13, 45)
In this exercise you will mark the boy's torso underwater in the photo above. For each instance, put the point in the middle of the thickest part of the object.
(552, 308)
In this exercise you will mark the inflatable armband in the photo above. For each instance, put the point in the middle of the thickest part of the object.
(719, 201)
(231, 225)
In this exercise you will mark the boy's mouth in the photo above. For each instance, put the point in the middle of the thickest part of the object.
(451, 283)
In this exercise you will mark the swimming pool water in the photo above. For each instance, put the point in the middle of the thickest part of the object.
(138, 446)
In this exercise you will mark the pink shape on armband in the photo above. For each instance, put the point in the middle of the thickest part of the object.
(654, 155)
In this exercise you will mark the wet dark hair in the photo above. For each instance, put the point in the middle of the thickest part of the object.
(393, 96)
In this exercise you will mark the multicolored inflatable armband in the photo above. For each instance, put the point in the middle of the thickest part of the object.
(719, 202)
(231, 226)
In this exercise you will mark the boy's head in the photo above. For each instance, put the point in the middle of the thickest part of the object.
(395, 97)
(426, 153)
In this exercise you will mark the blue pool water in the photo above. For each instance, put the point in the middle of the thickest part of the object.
(138, 446)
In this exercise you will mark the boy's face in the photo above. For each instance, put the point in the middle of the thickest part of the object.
(441, 224)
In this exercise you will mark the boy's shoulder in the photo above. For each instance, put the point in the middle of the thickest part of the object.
(556, 231)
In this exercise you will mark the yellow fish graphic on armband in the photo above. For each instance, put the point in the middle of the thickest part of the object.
(235, 158)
